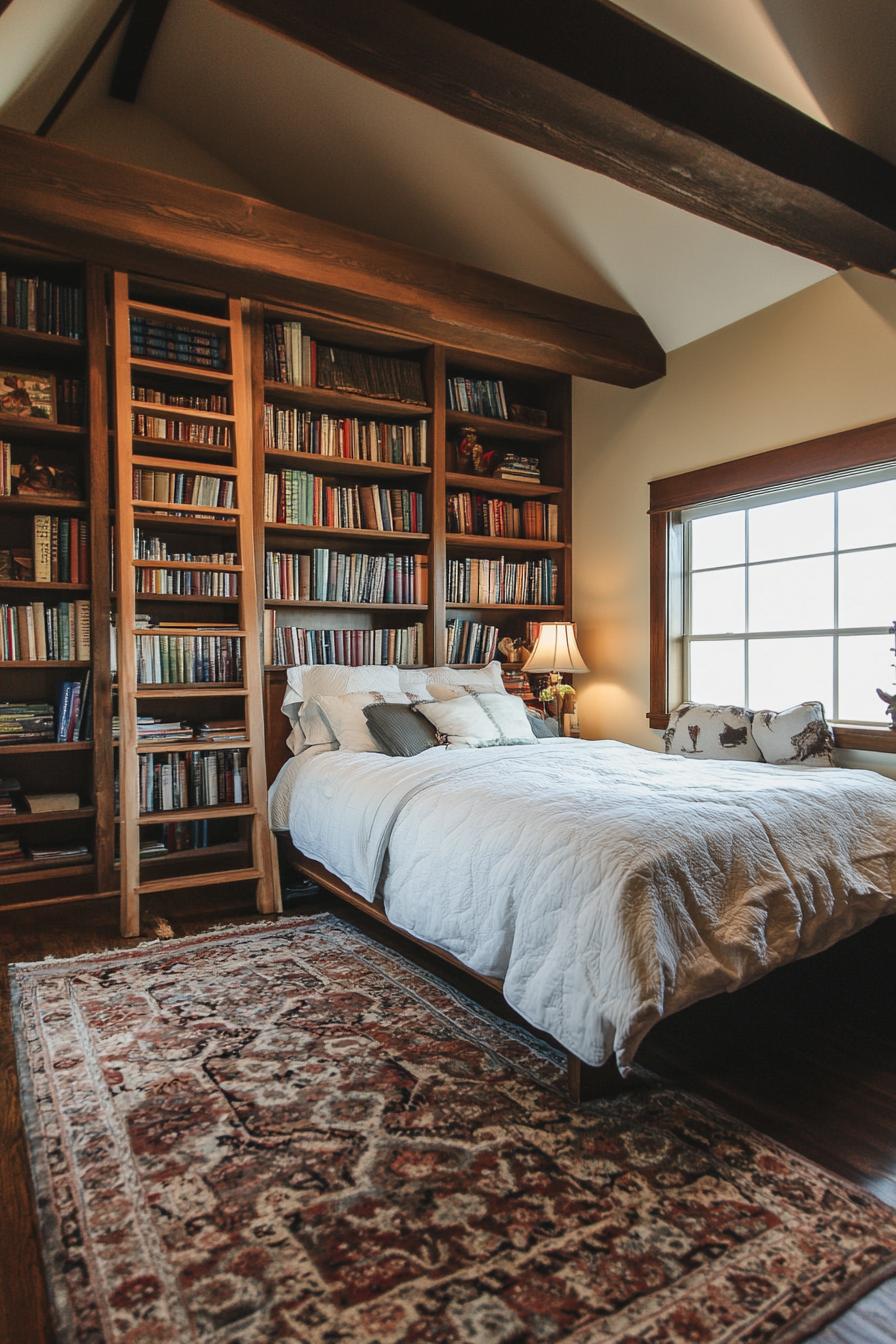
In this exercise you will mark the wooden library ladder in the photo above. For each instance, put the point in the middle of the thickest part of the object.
(233, 383)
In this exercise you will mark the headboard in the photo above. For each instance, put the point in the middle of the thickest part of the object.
(276, 724)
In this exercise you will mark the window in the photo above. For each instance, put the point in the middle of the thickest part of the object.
(788, 594)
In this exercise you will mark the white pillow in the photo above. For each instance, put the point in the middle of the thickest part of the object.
(485, 719)
(796, 736)
(486, 678)
(711, 733)
(338, 720)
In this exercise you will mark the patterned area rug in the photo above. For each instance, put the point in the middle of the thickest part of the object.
(291, 1133)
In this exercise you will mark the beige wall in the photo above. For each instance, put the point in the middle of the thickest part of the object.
(821, 361)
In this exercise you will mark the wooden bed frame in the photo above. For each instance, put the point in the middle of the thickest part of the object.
(585, 1081)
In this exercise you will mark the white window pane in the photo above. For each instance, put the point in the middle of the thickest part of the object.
(783, 672)
(868, 515)
(717, 672)
(868, 587)
(718, 540)
(717, 602)
(792, 595)
(796, 527)
(865, 663)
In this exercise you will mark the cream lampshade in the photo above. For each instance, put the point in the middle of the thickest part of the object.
(556, 651)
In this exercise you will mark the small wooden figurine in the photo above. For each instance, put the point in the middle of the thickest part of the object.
(471, 454)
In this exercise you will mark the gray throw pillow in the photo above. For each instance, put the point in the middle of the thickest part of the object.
(543, 727)
(398, 731)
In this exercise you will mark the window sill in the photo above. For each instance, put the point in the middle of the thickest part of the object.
(847, 737)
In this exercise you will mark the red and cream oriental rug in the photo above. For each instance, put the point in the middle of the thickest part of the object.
(291, 1133)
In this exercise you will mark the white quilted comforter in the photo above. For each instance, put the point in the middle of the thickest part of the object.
(607, 886)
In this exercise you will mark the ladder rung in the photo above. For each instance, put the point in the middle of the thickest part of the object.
(186, 564)
(198, 632)
(217, 509)
(178, 690)
(159, 746)
(182, 413)
(200, 880)
(177, 464)
(196, 813)
(195, 372)
(178, 314)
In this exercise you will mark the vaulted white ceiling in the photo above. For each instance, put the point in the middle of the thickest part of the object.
(226, 102)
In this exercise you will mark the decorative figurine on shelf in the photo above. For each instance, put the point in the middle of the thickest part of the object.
(472, 455)
(39, 479)
(890, 700)
(513, 650)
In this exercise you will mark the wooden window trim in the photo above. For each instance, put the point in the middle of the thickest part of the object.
(867, 445)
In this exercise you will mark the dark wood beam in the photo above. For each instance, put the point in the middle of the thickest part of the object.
(586, 82)
(84, 68)
(128, 217)
(136, 48)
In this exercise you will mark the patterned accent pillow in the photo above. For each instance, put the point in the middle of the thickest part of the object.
(338, 721)
(485, 719)
(711, 733)
(398, 731)
(796, 736)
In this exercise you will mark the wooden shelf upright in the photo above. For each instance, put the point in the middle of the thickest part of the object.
(231, 381)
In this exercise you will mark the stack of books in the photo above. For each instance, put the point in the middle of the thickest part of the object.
(287, 645)
(486, 516)
(179, 431)
(183, 487)
(289, 430)
(74, 710)
(478, 396)
(307, 500)
(7, 788)
(503, 581)
(151, 729)
(331, 576)
(11, 852)
(220, 730)
(48, 856)
(33, 303)
(216, 402)
(517, 467)
(470, 642)
(24, 722)
(34, 632)
(152, 338)
(291, 356)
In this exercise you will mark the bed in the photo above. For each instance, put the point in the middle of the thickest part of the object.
(601, 887)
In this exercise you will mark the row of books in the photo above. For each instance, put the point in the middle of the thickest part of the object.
(178, 660)
(286, 645)
(179, 431)
(291, 356)
(185, 583)
(518, 582)
(519, 467)
(172, 780)
(26, 721)
(289, 430)
(36, 632)
(173, 837)
(302, 498)
(33, 303)
(485, 516)
(61, 549)
(216, 402)
(153, 338)
(470, 642)
(331, 576)
(478, 396)
(74, 710)
(183, 487)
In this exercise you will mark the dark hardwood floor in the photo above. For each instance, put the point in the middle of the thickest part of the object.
(807, 1055)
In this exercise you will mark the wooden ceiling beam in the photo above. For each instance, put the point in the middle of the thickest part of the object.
(585, 81)
(136, 48)
(131, 218)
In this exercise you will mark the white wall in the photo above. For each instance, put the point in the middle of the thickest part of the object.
(820, 361)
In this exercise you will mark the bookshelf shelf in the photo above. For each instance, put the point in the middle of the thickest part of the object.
(344, 606)
(163, 368)
(41, 748)
(32, 586)
(362, 533)
(348, 403)
(472, 541)
(32, 871)
(24, 427)
(42, 504)
(37, 818)
(19, 339)
(492, 428)
(491, 485)
(325, 465)
(43, 662)
(503, 606)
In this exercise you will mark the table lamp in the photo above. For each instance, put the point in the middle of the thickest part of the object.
(556, 651)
